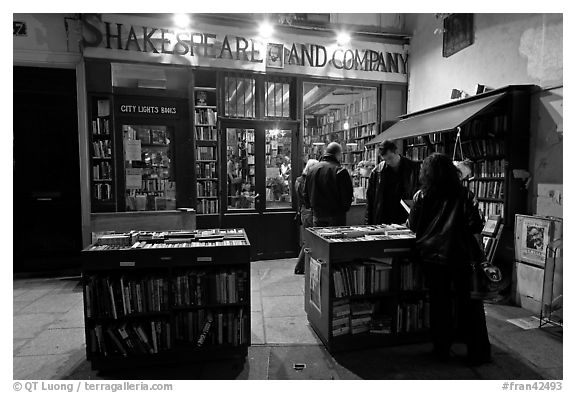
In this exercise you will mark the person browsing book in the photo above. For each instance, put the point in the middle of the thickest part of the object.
(328, 190)
(447, 223)
(393, 180)
(304, 212)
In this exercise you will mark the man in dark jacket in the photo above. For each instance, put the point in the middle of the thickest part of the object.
(328, 189)
(395, 178)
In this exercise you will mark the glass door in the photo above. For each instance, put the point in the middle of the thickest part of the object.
(278, 162)
(241, 169)
(257, 194)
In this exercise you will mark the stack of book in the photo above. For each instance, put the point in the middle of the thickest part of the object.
(206, 170)
(411, 277)
(205, 117)
(491, 125)
(206, 206)
(200, 288)
(118, 239)
(112, 297)
(361, 317)
(206, 133)
(101, 126)
(170, 239)
(365, 278)
(481, 148)
(340, 318)
(202, 327)
(413, 316)
(496, 168)
(487, 189)
(490, 234)
(102, 171)
(102, 192)
(364, 233)
(102, 149)
(381, 324)
(491, 209)
(130, 338)
(205, 153)
(207, 188)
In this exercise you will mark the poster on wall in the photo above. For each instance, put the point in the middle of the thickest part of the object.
(532, 239)
(133, 150)
(315, 280)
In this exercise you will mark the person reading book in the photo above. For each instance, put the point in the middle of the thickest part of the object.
(394, 179)
(447, 223)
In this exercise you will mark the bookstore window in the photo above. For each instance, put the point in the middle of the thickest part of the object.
(347, 115)
(239, 99)
(240, 168)
(277, 99)
(148, 156)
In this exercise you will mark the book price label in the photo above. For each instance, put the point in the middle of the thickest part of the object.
(127, 264)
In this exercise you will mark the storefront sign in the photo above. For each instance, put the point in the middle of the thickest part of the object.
(139, 107)
(142, 39)
(148, 109)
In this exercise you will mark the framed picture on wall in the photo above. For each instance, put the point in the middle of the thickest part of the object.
(275, 56)
(458, 33)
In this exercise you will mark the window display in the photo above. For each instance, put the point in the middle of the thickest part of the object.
(148, 157)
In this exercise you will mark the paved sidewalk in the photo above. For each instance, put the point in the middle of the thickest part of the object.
(49, 341)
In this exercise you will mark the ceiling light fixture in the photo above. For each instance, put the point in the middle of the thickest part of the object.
(266, 29)
(343, 38)
(182, 20)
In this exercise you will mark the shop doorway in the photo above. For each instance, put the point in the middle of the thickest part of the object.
(47, 215)
(257, 193)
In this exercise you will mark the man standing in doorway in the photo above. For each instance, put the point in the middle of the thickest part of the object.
(328, 189)
(393, 180)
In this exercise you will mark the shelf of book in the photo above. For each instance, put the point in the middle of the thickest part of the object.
(206, 142)
(162, 297)
(496, 141)
(362, 288)
(354, 123)
(101, 145)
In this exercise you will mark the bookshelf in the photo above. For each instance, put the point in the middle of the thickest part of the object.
(352, 125)
(362, 288)
(496, 140)
(165, 297)
(102, 174)
(489, 142)
(206, 139)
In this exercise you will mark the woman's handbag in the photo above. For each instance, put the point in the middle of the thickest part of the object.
(485, 278)
(485, 281)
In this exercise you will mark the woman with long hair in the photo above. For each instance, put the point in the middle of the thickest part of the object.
(304, 212)
(447, 224)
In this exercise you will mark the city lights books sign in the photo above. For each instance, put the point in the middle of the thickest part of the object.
(131, 38)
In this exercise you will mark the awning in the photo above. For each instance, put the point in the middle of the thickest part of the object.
(444, 118)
